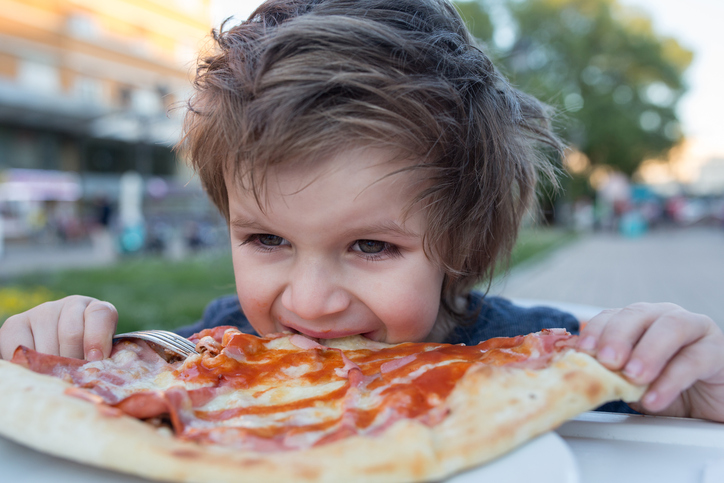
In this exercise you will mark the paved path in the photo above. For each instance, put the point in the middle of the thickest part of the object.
(19, 260)
(685, 267)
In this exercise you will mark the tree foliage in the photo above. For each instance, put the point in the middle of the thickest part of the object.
(613, 80)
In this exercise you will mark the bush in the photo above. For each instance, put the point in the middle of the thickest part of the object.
(15, 299)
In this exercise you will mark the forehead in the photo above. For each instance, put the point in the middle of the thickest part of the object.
(360, 175)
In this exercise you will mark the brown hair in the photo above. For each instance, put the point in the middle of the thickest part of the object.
(308, 78)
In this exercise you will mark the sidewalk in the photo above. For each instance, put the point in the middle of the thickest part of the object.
(685, 267)
(18, 259)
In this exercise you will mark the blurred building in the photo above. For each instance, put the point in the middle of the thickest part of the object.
(84, 84)
(89, 87)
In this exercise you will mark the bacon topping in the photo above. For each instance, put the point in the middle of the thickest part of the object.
(348, 365)
(209, 345)
(243, 393)
(396, 363)
(305, 343)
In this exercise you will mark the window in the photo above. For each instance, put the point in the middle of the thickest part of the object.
(38, 76)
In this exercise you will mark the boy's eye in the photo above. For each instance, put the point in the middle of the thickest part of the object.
(371, 246)
(270, 240)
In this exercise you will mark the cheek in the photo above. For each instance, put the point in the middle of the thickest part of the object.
(410, 308)
(256, 292)
(415, 317)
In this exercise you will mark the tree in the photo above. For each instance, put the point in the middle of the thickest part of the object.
(613, 80)
(477, 20)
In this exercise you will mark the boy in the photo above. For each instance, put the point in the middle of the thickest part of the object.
(373, 166)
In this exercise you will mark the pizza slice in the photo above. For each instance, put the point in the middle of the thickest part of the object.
(285, 407)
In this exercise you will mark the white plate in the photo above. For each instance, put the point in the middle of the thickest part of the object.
(20, 464)
(546, 459)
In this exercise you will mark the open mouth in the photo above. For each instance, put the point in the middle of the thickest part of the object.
(324, 335)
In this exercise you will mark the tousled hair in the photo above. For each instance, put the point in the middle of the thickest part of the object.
(304, 79)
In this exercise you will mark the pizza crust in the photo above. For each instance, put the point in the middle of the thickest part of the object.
(524, 404)
(34, 411)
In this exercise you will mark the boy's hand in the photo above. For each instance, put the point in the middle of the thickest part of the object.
(76, 326)
(680, 354)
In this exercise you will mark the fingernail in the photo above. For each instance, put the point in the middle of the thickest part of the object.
(650, 398)
(588, 343)
(607, 355)
(634, 368)
(94, 355)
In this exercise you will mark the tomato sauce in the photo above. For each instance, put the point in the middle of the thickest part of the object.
(316, 395)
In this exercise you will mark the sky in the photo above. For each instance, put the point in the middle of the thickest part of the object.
(696, 24)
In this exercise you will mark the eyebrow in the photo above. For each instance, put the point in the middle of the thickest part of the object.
(381, 228)
(240, 222)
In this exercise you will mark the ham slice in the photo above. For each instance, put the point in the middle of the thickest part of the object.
(397, 363)
(348, 366)
(305, 343)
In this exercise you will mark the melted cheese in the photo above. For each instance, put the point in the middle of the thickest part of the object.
(268, 394)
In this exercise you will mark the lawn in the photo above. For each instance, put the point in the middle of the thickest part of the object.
(534, 243)
(158, 293)
(148, 292)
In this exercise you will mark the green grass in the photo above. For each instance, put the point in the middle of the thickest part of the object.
(157, 293)
(536, 242)
(148, 292)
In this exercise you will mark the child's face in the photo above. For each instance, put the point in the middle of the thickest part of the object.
(331, 254)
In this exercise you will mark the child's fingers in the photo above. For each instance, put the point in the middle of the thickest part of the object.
(588, 340)
(100, 325)
(692, 363)
(614, 333)
(669, 333)
(42, 321)
(71, 326)
(15, 332)
(621, 333)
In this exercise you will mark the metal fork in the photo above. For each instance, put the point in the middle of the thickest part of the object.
(174, 343)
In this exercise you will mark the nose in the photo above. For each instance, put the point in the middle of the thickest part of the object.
(313, 291)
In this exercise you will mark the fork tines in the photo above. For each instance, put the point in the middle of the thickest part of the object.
(170, 340)
(175, 340)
